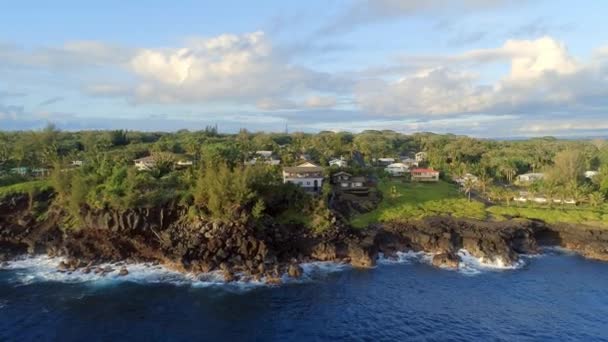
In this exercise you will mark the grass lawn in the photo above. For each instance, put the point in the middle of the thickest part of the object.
(415, 201)
(36, 186)
(411, 199)
(577, 215)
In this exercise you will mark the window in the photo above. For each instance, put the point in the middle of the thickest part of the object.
(307, 183)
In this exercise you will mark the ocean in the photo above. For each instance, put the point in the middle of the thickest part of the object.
(554, 296)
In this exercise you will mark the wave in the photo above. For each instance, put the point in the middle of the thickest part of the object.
(471, 265)
(407, 257)
(28, 270)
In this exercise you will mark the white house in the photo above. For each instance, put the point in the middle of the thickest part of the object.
(385, 161)
(307, 175)
(145, 163)
(466, 177)
(591, 174)
(338, 162)
(397, 169)
(409, 162)
(77, 163)
(530, 177)
(184, 163)
(264, 154)
(421, 157)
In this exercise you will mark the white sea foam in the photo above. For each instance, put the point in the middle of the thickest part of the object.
(407, 257)
(42, 268)
(471, 265)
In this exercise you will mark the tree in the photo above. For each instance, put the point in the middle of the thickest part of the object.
(467, 186)
(596, 199)
(164, 163)
(569, 166)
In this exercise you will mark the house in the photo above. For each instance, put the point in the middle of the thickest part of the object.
(340, 176)
(338, 162)
(425, 175)
(41, 172)
(409, 162)
(307, 175)
(466, 177)
(21, 171)
(530, 177)
(145, 163)
(385, 161)
(421, 157)
(397, 169)
(266, 157)
(77, 163)
(591, 174)
(264, 154)
(346, 182)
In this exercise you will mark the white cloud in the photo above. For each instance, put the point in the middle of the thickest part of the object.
(239, 68)
(542, 75)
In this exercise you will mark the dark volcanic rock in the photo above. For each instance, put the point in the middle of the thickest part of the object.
(446, 260)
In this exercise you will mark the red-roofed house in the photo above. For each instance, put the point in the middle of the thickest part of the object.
(425, 175)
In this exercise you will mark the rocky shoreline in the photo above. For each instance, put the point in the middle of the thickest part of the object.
(266, 250)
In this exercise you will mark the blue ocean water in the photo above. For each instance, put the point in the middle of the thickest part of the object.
(554, 297)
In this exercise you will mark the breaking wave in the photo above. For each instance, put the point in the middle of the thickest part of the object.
(469, 265)
(43, 268)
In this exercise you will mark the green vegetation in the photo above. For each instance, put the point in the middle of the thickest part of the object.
(94, 170)
(553, 215)
(403, 200)
(26, 188)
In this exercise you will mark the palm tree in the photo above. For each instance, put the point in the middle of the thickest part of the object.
(483, 181)
(508, 170)
(467, 186)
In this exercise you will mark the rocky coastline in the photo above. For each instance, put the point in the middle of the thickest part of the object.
(265, 250)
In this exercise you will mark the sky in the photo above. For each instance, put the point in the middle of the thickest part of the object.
(485, 68)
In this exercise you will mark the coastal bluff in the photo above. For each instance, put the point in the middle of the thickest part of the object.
(248, 250)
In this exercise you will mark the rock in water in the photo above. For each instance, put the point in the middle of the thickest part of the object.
(123, 272)
(446, 260)
(63, 267)
(295, 271)
(228, 276)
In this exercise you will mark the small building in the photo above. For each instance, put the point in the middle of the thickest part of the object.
(385, 161)
(425, 175)
(41, 172)
(347, 183)
(591, 174)
(467, 177)
(530, 177)
(264, 154)
(77, 163)
(409, 162)
(145, 163)
(183, 163)
(421, 157)
(21, 171)
(397, 169)
(307, 175)
(338, 162)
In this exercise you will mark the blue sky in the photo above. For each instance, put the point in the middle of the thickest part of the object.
(484, 68)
